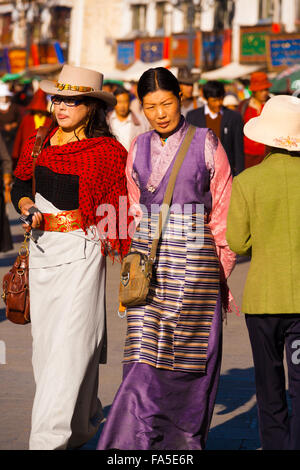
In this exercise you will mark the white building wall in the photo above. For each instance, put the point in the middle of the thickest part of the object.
(76, 33)
(95, 25)
(246, 12)
(207, 16)
(177, 20)
(289, 14)
(151, 18)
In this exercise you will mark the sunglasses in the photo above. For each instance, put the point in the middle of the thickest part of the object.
(72, 102)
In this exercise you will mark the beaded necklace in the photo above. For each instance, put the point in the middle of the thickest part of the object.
(77, 134)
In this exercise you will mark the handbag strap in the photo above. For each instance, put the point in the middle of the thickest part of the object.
(163, 214)
(39, 140)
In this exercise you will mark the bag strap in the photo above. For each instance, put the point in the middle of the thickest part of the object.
(163, 214)
(39, 140)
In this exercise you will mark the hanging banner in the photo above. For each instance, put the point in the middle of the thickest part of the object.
(227, 47)
(151, 50)
(48, 54)
(283, 51)
(179, 50)
(212, 50)
(253, 44)
(4, 61)
(125, 54)
(17, 60)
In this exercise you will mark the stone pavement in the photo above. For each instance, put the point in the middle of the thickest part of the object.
(234, 424)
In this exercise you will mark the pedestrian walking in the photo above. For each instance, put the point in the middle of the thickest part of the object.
(6, 243)
(124, 124)
(263, 222)
(173, 348)
(226, 124)
(135, 104)
(36, 116)
(80, 169)
(10, 116)
(252, 107)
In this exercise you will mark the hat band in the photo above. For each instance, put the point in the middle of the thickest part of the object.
(67, 86)
(287, 141)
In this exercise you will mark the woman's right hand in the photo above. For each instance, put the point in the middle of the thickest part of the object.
(24, 207)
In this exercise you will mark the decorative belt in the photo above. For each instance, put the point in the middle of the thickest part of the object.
(65, 221)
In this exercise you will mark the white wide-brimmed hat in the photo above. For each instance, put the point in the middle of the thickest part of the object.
(230, 100)
(278, 125)
(78, 81)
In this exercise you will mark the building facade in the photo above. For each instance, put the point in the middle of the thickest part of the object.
(34, 33)
(109, 34)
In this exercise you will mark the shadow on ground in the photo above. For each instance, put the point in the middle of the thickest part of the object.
(8, 260)
(243, 259)
(2, 314)
(235, 397)
(92, 444)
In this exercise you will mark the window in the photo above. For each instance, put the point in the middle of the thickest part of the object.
(5, 29)
(60, 25)
(160, 12)
(138, 17)
(265, 10)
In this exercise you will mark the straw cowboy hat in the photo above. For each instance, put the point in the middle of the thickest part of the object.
(78, 81)
(278, 124)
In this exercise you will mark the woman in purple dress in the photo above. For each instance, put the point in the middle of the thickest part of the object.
(173, 345)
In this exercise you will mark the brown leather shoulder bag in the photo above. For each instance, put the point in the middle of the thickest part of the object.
(16, 281)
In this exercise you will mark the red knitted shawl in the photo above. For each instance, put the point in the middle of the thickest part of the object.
(100, 164)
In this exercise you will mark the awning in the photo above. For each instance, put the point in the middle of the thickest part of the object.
(231, 71)
(287, 81)
(134, 72)
(44, 69)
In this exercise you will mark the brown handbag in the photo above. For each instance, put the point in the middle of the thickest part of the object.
(137, 268)
(16, 281)
(16, 288)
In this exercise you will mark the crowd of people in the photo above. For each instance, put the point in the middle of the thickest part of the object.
(107, 144)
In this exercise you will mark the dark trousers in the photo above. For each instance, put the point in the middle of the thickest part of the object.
(269, 335)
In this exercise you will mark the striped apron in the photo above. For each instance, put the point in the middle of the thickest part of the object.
(171, 331)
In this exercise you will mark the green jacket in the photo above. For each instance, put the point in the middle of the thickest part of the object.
(264, 222)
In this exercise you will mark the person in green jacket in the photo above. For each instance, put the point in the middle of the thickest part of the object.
(264, 223)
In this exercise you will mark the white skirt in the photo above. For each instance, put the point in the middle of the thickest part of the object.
(67, 307)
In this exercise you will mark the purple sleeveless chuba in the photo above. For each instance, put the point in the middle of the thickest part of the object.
(172, 353)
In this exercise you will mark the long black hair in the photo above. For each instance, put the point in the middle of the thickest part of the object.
(158, 78)
(96, 124)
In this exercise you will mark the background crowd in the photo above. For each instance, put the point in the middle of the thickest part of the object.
(223, 106)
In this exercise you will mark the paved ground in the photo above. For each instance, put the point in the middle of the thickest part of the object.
(234, 424)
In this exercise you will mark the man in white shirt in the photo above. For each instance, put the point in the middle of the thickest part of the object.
(226, 124)
(123, 122)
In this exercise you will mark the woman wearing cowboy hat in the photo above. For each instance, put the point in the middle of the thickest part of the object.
(263, 221)
(81, 167)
